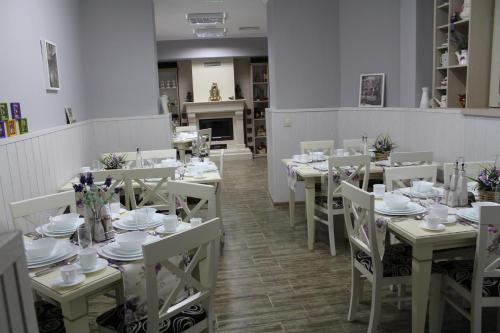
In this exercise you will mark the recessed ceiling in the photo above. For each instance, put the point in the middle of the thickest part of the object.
(171, 23)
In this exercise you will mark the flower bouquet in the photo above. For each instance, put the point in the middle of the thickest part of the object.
(383, 146)
(114, 161)
(92, 199)
(487, 181)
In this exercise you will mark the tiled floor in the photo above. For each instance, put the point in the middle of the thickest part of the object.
(270, 282)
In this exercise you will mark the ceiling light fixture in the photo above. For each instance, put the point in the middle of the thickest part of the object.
(210, 32)
(249, 28)
(206, 18)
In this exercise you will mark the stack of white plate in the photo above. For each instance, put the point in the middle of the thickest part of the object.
(422, 195)
(322, 166)
(62, 251)
(128, 222)
(115, 252)
(468, 214)
(411, 209)
(51, 230)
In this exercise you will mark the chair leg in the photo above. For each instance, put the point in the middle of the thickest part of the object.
(401, 293)
(436, 303)
(375, 307)
(475, 324)
(356, 291)
(331, 236)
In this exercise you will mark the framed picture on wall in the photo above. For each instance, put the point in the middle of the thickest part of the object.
(70, 118)
(51, 69)
(371, 90)
(23, 125)
(3, 132)
(11, 127)
(4, 111)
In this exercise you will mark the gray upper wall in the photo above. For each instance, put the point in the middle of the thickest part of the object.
(170, 50)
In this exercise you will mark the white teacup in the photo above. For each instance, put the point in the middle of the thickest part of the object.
(422, 186)
(195, 221)
(439, 211)
(68, 273)
(433, 221)
(379, 190)
(170, 222)
(88, 258)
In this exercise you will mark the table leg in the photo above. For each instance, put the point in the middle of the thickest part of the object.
(75, 315)
(310, 198)
(291, 205)
(421, 279)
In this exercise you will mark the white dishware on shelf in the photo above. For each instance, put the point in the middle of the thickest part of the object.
(131, 241)
(60, 283)
(88, 258)
(183, 226)
(379, 190)
(99, 266)
(68, 273)
(396, 201)
(40, 248)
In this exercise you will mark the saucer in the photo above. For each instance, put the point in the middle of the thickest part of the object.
(58, 282)
(426, 226)
(180, 227)
(100, 265)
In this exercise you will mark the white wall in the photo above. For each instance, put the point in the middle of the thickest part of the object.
(169, 50)
(204, 76)
(24, 23)
(447, 133)
(119, 57)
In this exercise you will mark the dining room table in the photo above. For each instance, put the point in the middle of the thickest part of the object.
(182, 141)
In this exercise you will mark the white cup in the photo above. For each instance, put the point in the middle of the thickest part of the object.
(433, 220)
(88, 258)
(195, 221)
(68, 273)
(379, 190)
(439, 211)
(170, 222)
(339, 152)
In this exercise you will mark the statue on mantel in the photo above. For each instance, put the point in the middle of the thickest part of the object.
(214, 93)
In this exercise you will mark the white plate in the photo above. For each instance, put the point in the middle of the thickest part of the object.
(407, 191)
(412, 209)
(426, 226)
(61, 284)
(309, 160)
(60, 250)
(104, 252)
(44, 229)
(100, 265)
(468, 214)
(120, 225)
(72, 252)
(183, 226)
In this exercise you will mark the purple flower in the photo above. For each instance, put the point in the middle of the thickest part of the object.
(82, 179)
(107, 182)
(79, 203)
(492, 229)
(90, 179)
(78, 187)
(118, 190)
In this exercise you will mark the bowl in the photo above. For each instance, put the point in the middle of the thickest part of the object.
(476, 206)
(423, 186)
(131, 241)
(144, 215)
(65, 221)
(40, 248)
(396, 201)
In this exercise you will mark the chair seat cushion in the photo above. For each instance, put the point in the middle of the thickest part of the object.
(322, 202)
(114, 320)
(396, 262)
(49, 317)
(461, 271)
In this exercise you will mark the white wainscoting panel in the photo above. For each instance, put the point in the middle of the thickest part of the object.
(448, 133)
(38, 163)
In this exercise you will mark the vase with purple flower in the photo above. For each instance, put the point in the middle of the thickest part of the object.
(92, 202)
(487, 182)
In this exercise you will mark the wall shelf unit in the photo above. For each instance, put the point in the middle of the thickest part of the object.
(169, 89)
(469, 77)
(255, 122)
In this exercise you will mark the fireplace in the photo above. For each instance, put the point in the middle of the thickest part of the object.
(222, 128)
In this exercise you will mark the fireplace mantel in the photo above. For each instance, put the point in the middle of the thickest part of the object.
(221, 106)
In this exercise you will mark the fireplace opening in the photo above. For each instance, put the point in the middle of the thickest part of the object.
(222, 128)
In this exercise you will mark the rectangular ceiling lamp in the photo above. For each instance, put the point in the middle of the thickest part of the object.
(210, 32)
(206, 18)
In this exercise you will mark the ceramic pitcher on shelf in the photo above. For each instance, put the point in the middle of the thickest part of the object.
(424, 101)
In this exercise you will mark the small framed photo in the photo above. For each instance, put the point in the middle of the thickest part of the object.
(70, 118)
(15, 111)
(4, 111)
(11, 127)
(23, 125)
(371, 90)
(3, 132)
(51, 69)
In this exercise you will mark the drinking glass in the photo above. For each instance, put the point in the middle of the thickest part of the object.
(96, 165)
(140, 220)
(84, 236)
(413, 189)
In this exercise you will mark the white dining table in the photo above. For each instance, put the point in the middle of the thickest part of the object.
(182, 141)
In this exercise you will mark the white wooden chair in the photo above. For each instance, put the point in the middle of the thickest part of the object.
(326, 146)
(354, 146)
(472, 169)
(201, 146)
(359, 165)
(397, 175)
(179, 129)
(17, 311)
(26, 210)
(179, 192)
(193, 314)
(417, 157)
(150, 185)
(393, 269)
(477, 282)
